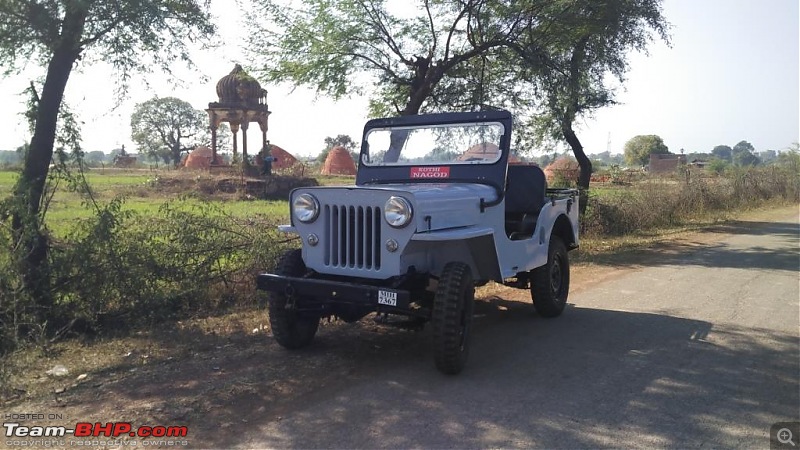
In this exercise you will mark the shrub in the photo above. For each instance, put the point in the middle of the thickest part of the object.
(655, 203)
(119, 269)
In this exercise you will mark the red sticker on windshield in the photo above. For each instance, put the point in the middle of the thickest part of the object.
(430, 172)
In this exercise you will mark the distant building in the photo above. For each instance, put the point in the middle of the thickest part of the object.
(666, 163)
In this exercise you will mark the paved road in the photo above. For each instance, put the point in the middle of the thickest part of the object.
(693, 346)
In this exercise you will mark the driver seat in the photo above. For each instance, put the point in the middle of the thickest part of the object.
(526, 188)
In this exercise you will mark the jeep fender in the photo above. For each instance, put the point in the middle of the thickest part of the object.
(475, 246)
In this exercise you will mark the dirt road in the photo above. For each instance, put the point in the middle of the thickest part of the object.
(694, 343)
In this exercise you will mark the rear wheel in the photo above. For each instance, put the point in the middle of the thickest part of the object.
(289, 328)
(452, 317)
(550, 283)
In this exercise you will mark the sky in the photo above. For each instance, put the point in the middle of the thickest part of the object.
(731, 73)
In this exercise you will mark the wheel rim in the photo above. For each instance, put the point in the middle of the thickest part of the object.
(556, 277)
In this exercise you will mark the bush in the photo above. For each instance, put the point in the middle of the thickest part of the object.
(120, 269)
(656, 203)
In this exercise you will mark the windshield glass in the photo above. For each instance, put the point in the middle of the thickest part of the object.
(470, 143)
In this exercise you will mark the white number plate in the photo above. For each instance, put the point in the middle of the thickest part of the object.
(387, 298)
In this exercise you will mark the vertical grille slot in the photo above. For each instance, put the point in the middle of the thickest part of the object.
(352, 236)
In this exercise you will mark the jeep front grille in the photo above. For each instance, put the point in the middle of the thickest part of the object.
(352, 236)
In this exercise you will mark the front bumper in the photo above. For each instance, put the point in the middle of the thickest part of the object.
(309, 293)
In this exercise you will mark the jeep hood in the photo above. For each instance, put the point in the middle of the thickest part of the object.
(439, 206)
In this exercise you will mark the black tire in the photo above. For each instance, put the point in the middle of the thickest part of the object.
(453, 305)
(550, 283)
(291, 330)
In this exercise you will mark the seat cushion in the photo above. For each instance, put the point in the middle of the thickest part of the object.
(526, 187)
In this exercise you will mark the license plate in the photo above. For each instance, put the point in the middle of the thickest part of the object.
(388, 298)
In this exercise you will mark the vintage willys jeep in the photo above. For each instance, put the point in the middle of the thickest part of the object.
(436, 210)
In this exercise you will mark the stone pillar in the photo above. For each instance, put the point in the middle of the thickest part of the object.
(245, 162)
(213, 145)
(263, 125)
(235, 131)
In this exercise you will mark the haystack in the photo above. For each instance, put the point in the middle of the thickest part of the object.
(199, 158)
(284, 159)
(564, 168)
(484, 150)
(339, 162)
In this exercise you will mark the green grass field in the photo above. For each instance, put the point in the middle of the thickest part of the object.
(140, 196)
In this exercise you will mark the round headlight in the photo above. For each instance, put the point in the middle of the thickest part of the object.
(397, 212)
(305, 208)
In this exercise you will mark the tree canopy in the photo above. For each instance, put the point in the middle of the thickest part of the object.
(407, 64)
(744, 154)
(167, 127)
(639, 148)
(549, 61)
(572, 52)
(723, 152)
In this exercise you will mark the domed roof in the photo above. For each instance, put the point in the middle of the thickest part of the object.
(339, 162)
(240, 88)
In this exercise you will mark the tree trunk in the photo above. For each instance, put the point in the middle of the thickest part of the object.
(29, 189)
(176, 155)
(572, 110)
(585, 164)
(420, 89)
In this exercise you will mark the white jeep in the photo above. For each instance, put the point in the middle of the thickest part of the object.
(436, 210)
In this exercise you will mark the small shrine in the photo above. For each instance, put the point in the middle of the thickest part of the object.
(242, 100)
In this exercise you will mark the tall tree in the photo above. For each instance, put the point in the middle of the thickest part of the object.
(549, 58)
(743, 154)
(406, 64)
(723, 152)
(639, 148)
(572, 53)
(167, 127)
(61, 35)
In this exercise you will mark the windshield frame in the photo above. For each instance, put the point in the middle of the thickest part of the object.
(453, 153)
(493, 173)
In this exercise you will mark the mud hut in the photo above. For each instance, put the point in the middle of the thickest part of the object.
(339, 162)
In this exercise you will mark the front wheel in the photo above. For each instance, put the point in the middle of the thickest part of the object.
(290, 329)
(550, 283)
(452, 317)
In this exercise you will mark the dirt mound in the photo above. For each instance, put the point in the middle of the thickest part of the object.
(224, 186)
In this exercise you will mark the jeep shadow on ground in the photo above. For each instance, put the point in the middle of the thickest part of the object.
(586, 377)
(241, 388)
